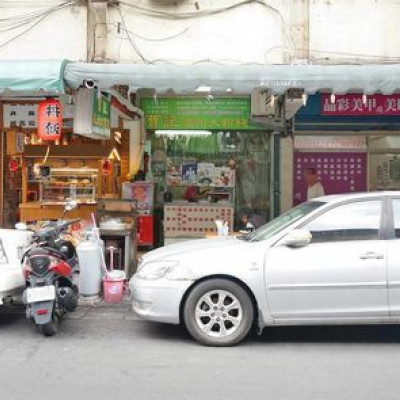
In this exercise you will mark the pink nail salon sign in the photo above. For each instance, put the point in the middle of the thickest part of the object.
(359, 105)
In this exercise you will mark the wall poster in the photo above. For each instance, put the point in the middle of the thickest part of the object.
(338, 172)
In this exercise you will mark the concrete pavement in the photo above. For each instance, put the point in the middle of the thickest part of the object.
(106, 352)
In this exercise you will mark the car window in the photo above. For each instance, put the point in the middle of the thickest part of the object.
(355, 221)
(284, 220)
(396, 217)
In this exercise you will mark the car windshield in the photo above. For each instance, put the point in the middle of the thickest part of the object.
(276, 225)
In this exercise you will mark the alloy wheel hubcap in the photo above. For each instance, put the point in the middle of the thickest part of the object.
(218, 313)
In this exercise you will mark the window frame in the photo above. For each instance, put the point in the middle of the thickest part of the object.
(391, 229)
(383, 226)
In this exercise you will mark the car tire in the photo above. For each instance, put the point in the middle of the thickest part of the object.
(218, 312)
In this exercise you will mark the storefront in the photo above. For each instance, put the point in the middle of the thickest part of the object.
(207, 163)
(351, 141)
(84, 155)
(51, 168)
(22, 86)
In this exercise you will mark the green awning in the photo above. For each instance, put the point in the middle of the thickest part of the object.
(32, 76)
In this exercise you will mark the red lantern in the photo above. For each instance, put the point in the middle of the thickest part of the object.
(106, 167)
(50, 119)
(13, 165)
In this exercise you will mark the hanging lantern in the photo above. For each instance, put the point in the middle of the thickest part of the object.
(106, 167)
(13, 165)
(50, 119)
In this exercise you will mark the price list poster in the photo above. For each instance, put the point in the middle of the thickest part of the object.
(337, 172)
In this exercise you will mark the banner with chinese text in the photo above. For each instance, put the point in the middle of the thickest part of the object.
(197, 113)
(359, 105)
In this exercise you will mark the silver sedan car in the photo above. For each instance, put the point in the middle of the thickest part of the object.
(333, 260)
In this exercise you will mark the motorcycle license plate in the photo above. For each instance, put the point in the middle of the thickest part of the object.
(42, 293)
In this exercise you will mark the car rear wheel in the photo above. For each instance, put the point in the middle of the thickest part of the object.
(218, 312)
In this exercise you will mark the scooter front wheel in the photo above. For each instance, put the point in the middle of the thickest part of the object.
(51, 328)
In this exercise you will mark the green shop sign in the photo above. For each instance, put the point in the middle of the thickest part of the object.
(197, 113)
(101, 115)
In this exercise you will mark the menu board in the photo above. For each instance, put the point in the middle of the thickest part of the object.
(337, 172)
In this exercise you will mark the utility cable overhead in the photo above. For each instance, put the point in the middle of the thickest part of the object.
(203, 13)
(36, 19)
(133, 44)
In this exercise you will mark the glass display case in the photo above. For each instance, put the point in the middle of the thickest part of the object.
(73, 183)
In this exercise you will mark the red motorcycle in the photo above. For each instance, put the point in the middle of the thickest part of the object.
(48, 266)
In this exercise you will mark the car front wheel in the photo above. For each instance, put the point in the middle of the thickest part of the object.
(218, 312)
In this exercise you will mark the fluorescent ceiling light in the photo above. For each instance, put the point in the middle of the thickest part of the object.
(203, 89)
(173, 133)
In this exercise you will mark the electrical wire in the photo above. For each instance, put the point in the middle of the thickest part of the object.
(38, 19)
(164, 39)
(133, 44)
(204, 13)
(38, 13)
(195, 14)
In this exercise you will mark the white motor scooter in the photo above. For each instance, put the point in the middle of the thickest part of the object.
(13, 243)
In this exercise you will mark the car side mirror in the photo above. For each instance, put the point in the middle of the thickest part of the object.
(298, 238)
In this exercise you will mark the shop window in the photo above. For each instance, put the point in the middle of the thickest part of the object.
(227, 167)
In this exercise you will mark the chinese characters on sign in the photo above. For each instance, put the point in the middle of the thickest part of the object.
(359, 105)
(197, 113)
(337, 172)
(101, 114)
(330, 142)
(20, 115)
(50, 119)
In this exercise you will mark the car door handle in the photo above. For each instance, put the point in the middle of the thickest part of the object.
(370, 255)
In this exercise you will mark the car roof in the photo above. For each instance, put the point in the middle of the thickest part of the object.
(333, 198)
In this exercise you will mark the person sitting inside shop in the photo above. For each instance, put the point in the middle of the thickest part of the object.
(193, 193)
(251, 220)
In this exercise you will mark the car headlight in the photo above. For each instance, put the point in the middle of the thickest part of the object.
(156, 270)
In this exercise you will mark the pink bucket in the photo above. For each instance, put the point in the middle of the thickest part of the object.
(113, 286)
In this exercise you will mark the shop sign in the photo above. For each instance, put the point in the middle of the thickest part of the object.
(101, 115)
(359, 105)
(50, 119)
(330, 142)
(197, 113)
(92, 114)
(20, 115)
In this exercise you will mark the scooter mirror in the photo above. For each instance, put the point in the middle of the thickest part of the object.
(21, 226)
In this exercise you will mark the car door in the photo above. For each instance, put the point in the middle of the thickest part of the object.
(340, 274)
(394, 258)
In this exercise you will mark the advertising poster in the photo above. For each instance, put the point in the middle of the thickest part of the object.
(205, 174)
(173, 175)
(337, 172)
(189, 174)
(224, 177)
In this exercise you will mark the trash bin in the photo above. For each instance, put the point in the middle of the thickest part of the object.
(91, 273)
(114, 284)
